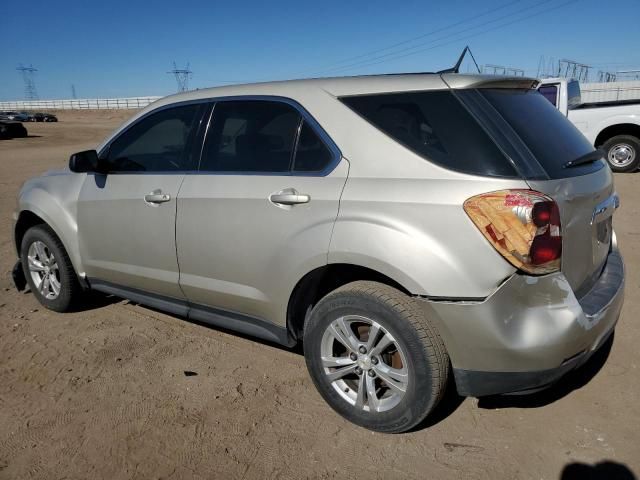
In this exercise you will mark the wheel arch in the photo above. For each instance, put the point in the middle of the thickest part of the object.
(317, 283)
(615, 130)
(32, 216)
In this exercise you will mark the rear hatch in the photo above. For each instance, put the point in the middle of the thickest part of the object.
(503, 127)
(544, 147)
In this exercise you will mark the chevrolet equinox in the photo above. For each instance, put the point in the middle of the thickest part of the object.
(404, 228)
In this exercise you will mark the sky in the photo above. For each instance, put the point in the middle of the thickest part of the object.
(120, 48)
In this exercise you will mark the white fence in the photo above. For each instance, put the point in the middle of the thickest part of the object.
(78, 104)
(611, 91)
(590, 93)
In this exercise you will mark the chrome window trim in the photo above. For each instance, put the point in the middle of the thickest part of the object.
(306, 116)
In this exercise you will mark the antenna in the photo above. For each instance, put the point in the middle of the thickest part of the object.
(30, 92)
(456, 67)
(182, 77)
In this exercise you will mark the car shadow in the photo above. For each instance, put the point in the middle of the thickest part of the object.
(573, 380)
(448, 404)
(606, 470)
(93, 300)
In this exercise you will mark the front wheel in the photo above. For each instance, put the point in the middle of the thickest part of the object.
(623, 153)
(48, 269)
(375, 357)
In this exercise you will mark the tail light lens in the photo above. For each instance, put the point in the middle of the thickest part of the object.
(523, 225)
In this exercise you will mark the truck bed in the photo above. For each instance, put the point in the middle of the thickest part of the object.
(615, 103)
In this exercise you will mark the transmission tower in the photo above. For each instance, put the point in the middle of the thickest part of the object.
(571, 69)
(182, 77)
(28, 73)
(502, 70)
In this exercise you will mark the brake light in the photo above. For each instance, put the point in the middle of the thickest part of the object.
(522, 225)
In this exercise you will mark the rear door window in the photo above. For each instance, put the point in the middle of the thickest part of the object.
(312, 155)
(436, 126)
(551, 138)
(251, 136)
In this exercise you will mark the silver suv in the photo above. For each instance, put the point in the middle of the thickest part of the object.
(405, 228)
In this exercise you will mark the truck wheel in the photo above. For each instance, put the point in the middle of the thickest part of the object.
(374, 357)
(623, 153)
(48, 270)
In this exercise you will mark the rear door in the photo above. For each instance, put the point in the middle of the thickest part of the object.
(260, 211)
(584, 193)
(126, 218)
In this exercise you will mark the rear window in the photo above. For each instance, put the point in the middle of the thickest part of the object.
(436, 126)
(551, 138)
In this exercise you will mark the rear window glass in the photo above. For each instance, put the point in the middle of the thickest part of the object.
(552, 138)
(436, 126)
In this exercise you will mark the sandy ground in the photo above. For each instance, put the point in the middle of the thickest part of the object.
(102, 393)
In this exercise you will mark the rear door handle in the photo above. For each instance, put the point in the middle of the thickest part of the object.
(156, 197)
(292, 198)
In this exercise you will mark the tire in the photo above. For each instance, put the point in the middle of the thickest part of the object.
(623, 153)
(38, 244)
(416, 361)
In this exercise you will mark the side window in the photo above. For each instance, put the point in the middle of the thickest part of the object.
(550, 92)
(155, 144)
(250, 136)
(312, 155)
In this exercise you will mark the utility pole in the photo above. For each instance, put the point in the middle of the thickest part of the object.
(182, 76)
(28, 73)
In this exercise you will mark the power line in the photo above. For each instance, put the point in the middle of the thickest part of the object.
(526, 17)
(404, 42)
(392, 54)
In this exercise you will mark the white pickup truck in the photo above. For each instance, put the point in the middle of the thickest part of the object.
(612, 126)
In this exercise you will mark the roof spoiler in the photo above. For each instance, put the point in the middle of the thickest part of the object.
(455, 81)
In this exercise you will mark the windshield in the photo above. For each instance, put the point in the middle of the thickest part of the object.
(551, 138)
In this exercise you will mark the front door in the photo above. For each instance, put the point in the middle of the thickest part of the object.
(126, 218)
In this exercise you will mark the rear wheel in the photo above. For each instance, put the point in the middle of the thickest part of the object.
(48, 269)
(374, 357)
(623, 153)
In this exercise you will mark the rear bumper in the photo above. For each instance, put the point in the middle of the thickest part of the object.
(530, 332)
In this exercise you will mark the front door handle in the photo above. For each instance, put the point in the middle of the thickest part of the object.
(156, 197)
(289, 198)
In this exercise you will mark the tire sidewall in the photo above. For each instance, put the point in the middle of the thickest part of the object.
(631, 141)
(40, 233)
(418, 396)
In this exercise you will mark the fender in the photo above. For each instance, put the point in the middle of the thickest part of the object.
(53, 198)
(419, 236)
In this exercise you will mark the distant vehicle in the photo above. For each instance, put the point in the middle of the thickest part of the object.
(403, 228)
(11, 129)
(44, 117)
(613, 126)
(29, 115)
(16, 116)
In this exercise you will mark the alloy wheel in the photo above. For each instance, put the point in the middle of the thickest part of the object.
(364, 363)
(44, 271)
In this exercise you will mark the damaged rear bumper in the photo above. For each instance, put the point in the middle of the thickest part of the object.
(530, 332)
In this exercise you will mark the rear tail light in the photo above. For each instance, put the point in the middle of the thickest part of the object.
(522, 225)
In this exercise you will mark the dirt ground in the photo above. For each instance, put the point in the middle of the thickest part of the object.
(102, 393)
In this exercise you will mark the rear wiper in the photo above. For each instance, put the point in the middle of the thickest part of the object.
(586, 158)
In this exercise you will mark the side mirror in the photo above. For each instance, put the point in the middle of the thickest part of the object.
(83, 162)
